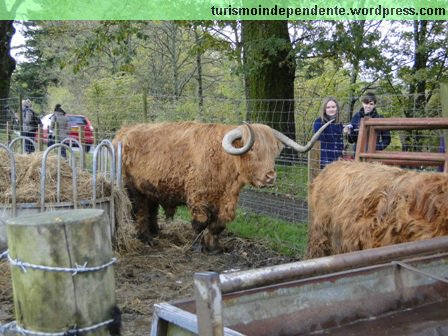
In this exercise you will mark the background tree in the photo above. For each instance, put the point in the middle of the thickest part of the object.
(358, 46)
(269, 69)
(7, 62)
(420, 69)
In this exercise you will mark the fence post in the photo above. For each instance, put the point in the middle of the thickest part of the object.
(8, 132)
(208, 304)
(313, 171)
(61, 274)
(20, 115)
(40, 142)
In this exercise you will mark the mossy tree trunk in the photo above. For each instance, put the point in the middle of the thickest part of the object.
(269, 68)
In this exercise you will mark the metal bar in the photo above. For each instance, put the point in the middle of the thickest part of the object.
(119, 160)
(231, 282)
(70, 142)
(413, 269)
(109, 150)
(43, 174)
(413, 163)
(436, 157)
(372, 137)
(208, 304)
(407, 123)
(361, 141)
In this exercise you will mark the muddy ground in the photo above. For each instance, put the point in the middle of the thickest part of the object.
(162, 272)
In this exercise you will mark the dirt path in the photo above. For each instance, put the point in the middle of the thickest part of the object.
(162, 272)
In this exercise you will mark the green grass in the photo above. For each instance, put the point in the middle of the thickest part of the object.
(291, 180)
(284, 237)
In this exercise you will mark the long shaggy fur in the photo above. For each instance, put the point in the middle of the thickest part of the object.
(358, 205)
(170, 164)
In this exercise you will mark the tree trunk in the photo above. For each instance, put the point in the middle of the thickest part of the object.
(269, 74)
(7, 62)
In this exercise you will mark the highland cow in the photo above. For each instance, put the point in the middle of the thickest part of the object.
(203, 166)
(359, 205)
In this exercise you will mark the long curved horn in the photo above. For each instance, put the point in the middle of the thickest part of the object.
(235, 134)
(294, 145)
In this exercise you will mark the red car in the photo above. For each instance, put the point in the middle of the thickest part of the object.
(74, 121)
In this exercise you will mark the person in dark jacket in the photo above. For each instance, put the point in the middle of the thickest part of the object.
(31, 123)
(368, 110)
(331, 139)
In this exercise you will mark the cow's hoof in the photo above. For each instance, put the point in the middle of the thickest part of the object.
(145, 239)
(214, 251)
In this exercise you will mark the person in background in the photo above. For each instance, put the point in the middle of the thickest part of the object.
(30, 124)
(368, 110)
(331, 139)
(59, 126)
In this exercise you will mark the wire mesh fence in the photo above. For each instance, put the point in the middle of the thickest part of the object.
(287, 199)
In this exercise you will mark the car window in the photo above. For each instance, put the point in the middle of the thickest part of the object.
(77, 120)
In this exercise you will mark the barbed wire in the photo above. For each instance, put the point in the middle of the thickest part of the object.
(16, 328)
(74, 270)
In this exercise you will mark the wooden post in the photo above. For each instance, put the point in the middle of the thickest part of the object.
(20, 115)
(40, 143)
(9, 130)
(82, 140)
(313, 171)
(54, 301)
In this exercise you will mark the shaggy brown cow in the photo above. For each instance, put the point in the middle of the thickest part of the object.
(360, 205)
(201, 165)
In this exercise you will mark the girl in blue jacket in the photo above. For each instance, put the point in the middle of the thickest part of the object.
(331, 139)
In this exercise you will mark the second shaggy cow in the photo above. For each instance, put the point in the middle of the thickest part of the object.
(359, 205)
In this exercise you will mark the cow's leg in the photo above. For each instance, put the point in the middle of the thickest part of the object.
(153, 210)
(211, 238)
(140, 206)
(139, 211)
(144, 214)
(200, 219)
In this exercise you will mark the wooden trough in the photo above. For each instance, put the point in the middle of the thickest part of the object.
(393, 290)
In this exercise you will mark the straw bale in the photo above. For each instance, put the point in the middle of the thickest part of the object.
(28, 177)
